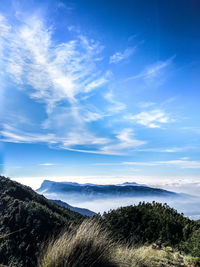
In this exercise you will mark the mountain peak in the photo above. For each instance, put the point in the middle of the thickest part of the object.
(95, 191)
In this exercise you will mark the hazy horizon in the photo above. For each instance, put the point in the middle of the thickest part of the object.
(100, 200)
(186, 186)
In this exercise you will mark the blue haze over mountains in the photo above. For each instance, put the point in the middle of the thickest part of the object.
(100, 198)
(84, 212)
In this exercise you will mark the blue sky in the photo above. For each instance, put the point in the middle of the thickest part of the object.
(100, 90)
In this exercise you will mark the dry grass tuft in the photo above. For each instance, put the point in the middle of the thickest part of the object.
(89, 245)
(147, 256)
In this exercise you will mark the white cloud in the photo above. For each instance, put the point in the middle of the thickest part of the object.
(119, 56)
(116, 106)
(193, 129)
(152, 119)
(125, 142)
(83, 138)
(47, 164)
(95, 84)
(153, 71)
(146, 104)
(92, 116)
(10, 134)
(69, 141)
(55, 72)
(166, 150)
(183, 163)
(4, 27)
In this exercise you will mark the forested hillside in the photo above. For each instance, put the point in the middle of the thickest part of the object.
(26, 220)
(147, 223)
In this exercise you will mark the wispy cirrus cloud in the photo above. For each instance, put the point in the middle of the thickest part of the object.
(193, 129)
(152, 119)
(126, 141)
(54, 71)
(166, 150)
(11, 134)
(116, 106)
(4, 29)
(58, 75)
(146, 104)
(153, 71)
(73, 138)
(119, 56)
(183, 163)
(123, 143)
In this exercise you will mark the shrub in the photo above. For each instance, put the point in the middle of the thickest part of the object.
(147, 223)
(193, 261)
(192, 245)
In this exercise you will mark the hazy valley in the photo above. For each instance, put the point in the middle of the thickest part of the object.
(100, 198)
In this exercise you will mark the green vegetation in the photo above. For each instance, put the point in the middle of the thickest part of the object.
(148, 223)
(26, 220)
(35, 231)
(192, 247)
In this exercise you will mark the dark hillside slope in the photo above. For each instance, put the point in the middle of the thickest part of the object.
(26, 220)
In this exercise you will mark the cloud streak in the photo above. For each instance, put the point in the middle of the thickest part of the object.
(120, 56)
(116, 106)
(47, 164)
(126, 141)
(182, 163)
(151, 119)
(153, 71)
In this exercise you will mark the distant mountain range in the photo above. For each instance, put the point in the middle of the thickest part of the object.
(84, 212)
(94, 191)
